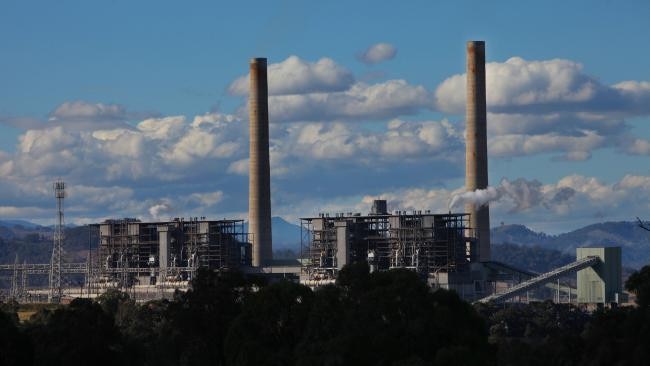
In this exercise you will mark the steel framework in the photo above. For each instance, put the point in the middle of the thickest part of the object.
(56, 290)
(422, 242)
(133, 253)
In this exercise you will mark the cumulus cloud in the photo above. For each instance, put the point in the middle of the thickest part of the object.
(14, 212)
(552, 106)
(399, 140)
(239, 167)
(324, 91)
(574, 147)
(362, 101)
(80, 115)
(297, 76)
(636, 146)
(207, 199)
(130, 171)
(158, 148)
(377, 53)
(86, 110)
(523, 86)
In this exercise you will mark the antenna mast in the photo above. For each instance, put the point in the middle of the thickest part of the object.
(56, 290)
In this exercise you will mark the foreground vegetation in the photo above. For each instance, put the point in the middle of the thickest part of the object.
(388, 318)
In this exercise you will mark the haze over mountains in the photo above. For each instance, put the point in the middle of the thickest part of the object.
(32, 241)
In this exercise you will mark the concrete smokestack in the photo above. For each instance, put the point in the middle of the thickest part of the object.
(259, 177)
(476, 158)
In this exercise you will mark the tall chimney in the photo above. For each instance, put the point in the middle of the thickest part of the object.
(259, 177)
(476, 158)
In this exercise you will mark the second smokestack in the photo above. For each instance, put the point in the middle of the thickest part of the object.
(259, 177)
(476, 157)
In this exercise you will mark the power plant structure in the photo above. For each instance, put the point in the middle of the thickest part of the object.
(146, 253)
(259, 183)
(476, 156)
(429, 244)
(448, 250)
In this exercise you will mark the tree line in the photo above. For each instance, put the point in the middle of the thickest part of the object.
(380, 318)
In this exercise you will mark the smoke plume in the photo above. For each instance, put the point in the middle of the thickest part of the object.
(521, 193)
(479, 197)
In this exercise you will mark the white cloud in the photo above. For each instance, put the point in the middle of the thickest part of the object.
(573, 147)
(637, 147)
(301, 91)
(207, 199)
(239, 167)
(27, 213)
(557, 85)
(362, 101)
(162, 128)
(297, 76)
(519, 83)
(377, 53)
(400, 140)
(552, 106)
(86, 110)
(157, 149)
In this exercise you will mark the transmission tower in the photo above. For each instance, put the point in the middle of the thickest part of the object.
(56, 290)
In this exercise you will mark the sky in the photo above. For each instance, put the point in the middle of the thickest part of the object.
(140, 107)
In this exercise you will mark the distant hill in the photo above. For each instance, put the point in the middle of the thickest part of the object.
(286, 236)
(14, 223)
(634, 240)
(36, 246)
(532, 258)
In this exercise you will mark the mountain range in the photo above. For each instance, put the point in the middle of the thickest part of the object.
(634, 240)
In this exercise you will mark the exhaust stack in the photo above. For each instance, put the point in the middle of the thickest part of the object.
(259, 177)
(476, 158)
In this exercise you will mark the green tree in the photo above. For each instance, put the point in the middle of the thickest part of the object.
(111, 299)
(15, 347)
(190, 330)
(639, 284)
(78, 334)
(390, 318)
(270, 326)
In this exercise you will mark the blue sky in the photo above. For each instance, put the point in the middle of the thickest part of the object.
(153, 80)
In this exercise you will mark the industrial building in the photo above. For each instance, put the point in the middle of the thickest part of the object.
(132, 252)
(601, 283)
(423, 242)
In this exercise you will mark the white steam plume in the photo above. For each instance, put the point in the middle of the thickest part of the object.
(522, 193)
(479, 197)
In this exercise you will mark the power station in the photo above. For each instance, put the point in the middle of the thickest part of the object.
(448, 250)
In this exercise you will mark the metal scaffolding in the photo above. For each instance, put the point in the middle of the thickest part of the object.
(422, 242)
(133, 253)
